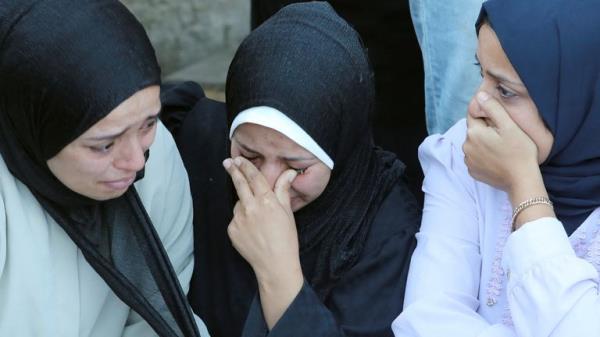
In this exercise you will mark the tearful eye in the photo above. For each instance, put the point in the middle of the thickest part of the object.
(300, 171)
(149, 125)
(102, 148)
(505, 93)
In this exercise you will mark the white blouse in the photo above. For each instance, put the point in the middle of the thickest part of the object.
(469, 276)
(47, 288)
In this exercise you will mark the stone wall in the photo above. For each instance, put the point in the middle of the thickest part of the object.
(194, 39)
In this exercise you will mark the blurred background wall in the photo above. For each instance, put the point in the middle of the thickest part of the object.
(194, 39)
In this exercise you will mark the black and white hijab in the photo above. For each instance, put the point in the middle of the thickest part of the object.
(305, 73)
(64, 65)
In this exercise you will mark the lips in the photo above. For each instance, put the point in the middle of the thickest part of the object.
(120, 184)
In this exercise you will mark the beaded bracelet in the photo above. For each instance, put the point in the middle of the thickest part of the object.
(527, 203)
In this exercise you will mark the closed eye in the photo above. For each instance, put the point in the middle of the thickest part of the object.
(505, 93)
(150, 124)
(252, 159)
(299, 170)
(103, 149)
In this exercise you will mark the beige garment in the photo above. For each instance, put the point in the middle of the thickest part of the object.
(47, 288)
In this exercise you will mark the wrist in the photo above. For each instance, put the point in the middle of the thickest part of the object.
(280, 277)
(277, 292)
(526, 185)
(526, 212)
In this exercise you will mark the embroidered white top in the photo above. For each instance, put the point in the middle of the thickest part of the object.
(469, 276)
(47, 288)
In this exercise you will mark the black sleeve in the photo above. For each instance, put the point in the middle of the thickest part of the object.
(364, 303)
(306, 307)
(369, 296)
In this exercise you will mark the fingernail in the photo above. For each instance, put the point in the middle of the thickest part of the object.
(292, 176)
(482, 96)
(237, 161)
(227, 163)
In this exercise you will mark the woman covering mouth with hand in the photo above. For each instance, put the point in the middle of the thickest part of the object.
(510, 240)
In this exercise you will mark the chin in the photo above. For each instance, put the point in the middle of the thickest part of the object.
(297, 204)
(103, 196)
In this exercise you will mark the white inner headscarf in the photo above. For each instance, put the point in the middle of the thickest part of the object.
(278, 121)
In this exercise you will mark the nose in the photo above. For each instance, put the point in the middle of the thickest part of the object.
(271, 172)
(130, 156)
(474, 110)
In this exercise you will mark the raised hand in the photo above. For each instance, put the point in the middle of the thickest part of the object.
(499, 153)
(496, 150)
(264, 232)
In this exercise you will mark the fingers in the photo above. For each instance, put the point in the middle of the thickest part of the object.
(237, 209)
(467, 151)
(239, 181)
(257, 182)
(252, 186)
(494, 110)
(234, 234)
(282, 187)
(233, 229)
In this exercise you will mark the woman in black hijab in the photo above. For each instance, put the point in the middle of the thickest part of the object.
(325, 224)
(510, 239)
(81, 247)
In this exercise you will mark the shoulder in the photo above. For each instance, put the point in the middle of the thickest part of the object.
(397, 220)
(2, 235)
(199, 127)
(4, 175)
(164, 190)
(202, 140)
(204, 129)
(7, 189)
(189, 115)
(163, 161)
(383, 264)
(445, 149)
(443, 162)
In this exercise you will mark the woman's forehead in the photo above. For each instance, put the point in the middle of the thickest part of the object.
(258, 138)
(140, 106)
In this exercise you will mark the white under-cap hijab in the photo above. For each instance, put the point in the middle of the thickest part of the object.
(278, 121)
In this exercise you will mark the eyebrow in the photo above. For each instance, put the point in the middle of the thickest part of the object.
(298, 158)
(499, 77)
(118, 134)
(294, 159)
(504, 79)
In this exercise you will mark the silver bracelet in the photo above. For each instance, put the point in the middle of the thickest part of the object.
(527, 203)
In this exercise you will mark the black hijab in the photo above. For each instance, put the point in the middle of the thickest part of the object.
(64, 65)
(308, 63)
(554, 45)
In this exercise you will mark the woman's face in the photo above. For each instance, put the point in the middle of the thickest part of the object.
(102, 163)
(273, 153)
(502, 82)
